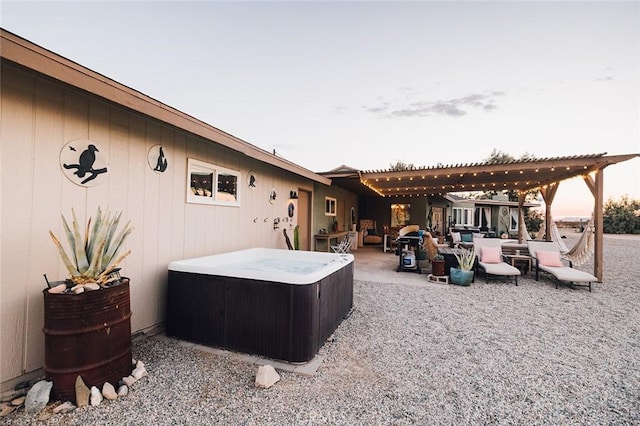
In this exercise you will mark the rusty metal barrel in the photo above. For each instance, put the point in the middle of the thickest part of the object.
(87, 335)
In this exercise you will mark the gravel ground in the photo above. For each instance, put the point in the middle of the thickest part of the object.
(414, 352)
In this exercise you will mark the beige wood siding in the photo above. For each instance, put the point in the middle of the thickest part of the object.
(39, 116)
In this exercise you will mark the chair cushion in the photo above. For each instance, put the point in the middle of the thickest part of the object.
(490, 255)
(566, 273)
(455, 237)
(501, 268)
(549, 258)
(467, 238)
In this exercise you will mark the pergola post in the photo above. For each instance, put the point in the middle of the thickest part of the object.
(596, 186)
(548, 194)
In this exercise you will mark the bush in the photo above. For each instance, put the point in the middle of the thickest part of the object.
(621, 217)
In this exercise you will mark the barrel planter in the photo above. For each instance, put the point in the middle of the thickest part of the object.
(87, 335)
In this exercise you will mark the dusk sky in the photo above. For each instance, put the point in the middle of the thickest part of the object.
(368, 84)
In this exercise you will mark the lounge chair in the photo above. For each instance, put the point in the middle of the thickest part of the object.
(491, 260)
(369, 232)
(548, 259)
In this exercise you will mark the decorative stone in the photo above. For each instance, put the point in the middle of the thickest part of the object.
(108, 391)
(13, 394)
(96, 396)
(45, 415)
(64, 408)
(123, 390)
(60, 288)
(139, 364)
(78, 289)
(6, 409)
(82, 393)
(139, 372)
(18, 401)
(91, 286)
(266, 376)
(38, 396)
(129, 380)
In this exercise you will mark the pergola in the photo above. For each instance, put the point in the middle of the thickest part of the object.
(543, 174)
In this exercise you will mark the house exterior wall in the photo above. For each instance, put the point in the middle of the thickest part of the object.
(39, 116)
(345, 201)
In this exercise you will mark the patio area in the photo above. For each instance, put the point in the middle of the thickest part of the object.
(414, 352)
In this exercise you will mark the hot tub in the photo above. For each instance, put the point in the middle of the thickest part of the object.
(281, 304)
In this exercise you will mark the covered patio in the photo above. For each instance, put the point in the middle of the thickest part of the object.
(544, 174)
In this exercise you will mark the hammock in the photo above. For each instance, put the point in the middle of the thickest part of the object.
(581, 251)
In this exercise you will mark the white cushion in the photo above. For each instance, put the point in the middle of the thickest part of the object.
(566, 273)
(501, 268)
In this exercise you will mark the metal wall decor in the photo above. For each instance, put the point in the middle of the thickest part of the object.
(84, 162)
(272, 196)
(252, 180)
(157, 159)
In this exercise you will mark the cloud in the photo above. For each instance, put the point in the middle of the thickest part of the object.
(456, 107)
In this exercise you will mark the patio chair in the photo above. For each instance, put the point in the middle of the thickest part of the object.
(548, 259)
(344, 246)
(491, 259)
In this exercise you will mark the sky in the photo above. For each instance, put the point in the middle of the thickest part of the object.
(368, 84)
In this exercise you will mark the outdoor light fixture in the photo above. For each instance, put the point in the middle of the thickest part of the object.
(293, 195)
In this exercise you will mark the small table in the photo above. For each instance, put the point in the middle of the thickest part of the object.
(328, 237)
(388, 242)
(515, 258)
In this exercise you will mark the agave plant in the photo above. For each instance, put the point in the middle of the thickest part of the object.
(94, 257)
(466, 259)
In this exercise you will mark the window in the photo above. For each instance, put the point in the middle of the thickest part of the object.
(462, 216)
(329, 206)
(209, 184)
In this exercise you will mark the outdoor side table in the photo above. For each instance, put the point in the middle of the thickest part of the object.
(514, 259)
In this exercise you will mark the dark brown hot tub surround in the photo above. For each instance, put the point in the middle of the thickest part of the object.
(278, 320)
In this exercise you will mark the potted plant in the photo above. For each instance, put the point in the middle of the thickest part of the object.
(437, 265)
(421, 253)
(87, 317)
(463, 275)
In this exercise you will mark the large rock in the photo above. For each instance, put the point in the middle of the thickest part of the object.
(266, 376)
(82, 393)
(108, 391)
(96, 396)
(38, 396)
(64, 408)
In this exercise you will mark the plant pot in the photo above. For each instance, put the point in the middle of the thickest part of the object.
(88, 335)
(460, 276)
(421, 255)
(437, 268)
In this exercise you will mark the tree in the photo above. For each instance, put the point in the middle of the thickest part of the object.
(497, 157)
(621, 217)
(401, 165)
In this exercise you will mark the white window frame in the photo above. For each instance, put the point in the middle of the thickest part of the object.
(216, 197)
(330, 205)
(462, 216)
